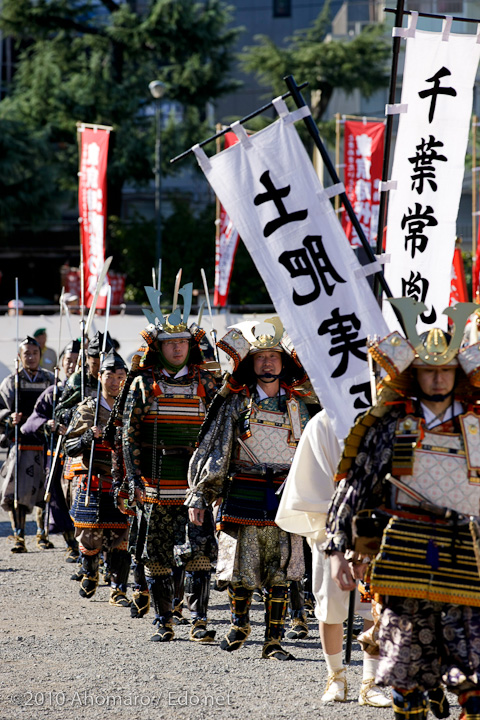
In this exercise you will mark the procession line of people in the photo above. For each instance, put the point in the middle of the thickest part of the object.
(168, 472)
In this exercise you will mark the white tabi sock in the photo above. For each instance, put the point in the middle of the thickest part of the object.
(334, 663)
(370, 665)
(370, 694)
(336, 689)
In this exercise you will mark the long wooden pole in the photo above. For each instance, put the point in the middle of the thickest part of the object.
(474, 188)
(382, 211)
(337, 158)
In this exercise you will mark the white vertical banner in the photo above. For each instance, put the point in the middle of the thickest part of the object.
(271, 192)
(428, 169)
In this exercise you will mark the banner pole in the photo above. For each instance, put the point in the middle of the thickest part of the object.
(313, 130)
(218, 148)
(474, 188)
(337, 158)
(382, 210)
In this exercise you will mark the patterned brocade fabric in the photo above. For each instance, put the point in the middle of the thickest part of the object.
(161, 421)
(253, 551)
(363, 486)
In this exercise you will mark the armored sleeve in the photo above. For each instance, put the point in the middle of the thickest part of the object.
(364, 485)
(79, 435)
(210, 462)
(137, 404)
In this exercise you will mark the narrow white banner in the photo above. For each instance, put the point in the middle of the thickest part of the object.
(271, 192)
(428, 169)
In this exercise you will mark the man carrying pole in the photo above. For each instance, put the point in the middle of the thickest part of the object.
(98, 522)
(22, 475)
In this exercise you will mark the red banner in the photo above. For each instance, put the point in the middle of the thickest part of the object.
(92, 203)
(476, 270)
(71, 283)
(458, 292)
(226, 245)
(363, 153)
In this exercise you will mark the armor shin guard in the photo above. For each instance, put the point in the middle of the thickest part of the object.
(197, 593)
(120, 561)
(139, 579)
(178, 595)
(161, 591)
(141, 596)
(409, 704)
(240, 599)
(89, 581)
(297, 599)
(275, 610)
(18, 519)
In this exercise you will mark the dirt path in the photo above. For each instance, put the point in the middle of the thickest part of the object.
(67, 658)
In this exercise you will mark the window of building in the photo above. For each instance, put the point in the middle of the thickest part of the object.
(282, 8)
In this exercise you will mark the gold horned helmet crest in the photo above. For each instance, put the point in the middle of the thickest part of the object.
(162, 327)
(433, 347)
(263, 341)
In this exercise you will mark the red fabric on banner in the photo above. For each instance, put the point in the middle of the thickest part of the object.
(71, 282)
(92, 203)
(458, 292)
(363, 157)
(476, 271)
(226, 245)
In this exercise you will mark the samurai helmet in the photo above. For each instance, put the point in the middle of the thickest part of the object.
(433, 348)
(165, 327)
(250, 337)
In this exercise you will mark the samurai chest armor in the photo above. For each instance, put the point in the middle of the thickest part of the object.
(441, 466)
(434, 560)
(169, 435)
(261, 465)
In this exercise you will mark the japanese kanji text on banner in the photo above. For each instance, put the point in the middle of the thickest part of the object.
(363, 153)
(92, 202)
(269, 188)
(428, 169)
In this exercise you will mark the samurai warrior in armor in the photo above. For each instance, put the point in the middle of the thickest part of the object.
(245, 450)
(163, 412)
(99, 524)
(409, 474)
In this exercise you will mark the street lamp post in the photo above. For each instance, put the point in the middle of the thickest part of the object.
(157, 90)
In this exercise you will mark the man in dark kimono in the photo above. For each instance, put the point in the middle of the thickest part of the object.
(25, 459)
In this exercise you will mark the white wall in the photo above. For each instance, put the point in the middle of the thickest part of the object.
(124, 328)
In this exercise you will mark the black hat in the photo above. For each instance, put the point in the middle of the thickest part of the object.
(72, 347)
(96, 344)
(113, 361)
(29, 341)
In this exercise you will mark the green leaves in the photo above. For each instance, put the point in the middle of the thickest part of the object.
(361, 63)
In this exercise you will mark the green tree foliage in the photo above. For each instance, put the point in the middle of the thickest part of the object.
(27, 182)
(91, 61)
(313, 56)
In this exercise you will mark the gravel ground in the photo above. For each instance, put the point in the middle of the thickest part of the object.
(69, 658)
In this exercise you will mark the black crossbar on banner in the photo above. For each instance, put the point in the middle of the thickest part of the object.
(382, 210)
(434, 15)
(295, 94)
(315, 135)
(244, 120)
